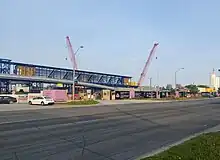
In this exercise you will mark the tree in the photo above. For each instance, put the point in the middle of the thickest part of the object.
(192, 88)
(172, 91)
(163, 88)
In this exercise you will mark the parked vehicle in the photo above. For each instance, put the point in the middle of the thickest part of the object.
(7, 100)
(42, 100)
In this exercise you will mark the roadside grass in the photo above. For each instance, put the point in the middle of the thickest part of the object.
(203, 147)
(82, 102)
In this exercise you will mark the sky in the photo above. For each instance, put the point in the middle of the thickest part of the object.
(117, 36)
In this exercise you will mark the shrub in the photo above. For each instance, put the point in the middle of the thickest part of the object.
(82, 102)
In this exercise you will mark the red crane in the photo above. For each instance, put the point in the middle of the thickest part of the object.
(143, 74)
(71, 52)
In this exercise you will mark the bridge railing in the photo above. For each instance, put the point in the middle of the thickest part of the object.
(33, 71)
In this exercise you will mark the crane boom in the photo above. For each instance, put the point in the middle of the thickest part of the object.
(143, 74)
(71, 53)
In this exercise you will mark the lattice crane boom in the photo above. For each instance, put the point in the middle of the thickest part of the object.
(71, 53)
(147, 64)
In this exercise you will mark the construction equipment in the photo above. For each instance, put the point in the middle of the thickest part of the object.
(143, 74)
(71, 52)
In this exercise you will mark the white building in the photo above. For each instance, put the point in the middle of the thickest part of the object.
(217, 83)
(214, 81)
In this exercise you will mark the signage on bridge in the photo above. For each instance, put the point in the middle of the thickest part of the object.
(25, 71)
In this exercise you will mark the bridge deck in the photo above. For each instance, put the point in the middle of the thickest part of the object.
(50, 80)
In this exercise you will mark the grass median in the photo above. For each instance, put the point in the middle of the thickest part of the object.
(203, 147)
(82, 102)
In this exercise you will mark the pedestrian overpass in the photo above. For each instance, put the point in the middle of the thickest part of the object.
(16, 71)
(50, 80)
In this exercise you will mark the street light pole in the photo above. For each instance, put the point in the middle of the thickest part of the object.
(150, 82)
(78, 49)
(74, 73)
(73, 86)
(151, 95)
(175, 76)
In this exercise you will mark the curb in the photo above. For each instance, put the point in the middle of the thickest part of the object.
(131, 103)
(164, 148)
(152, 102)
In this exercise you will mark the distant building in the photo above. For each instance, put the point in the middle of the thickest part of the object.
(169, 86)
(178, 86)
(217, 85)
(214, 80)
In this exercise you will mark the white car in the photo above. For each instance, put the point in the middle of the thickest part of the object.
(42, 100)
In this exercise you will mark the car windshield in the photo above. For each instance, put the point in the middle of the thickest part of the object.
(47, 97)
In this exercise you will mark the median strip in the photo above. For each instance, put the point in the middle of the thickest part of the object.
(205, 147)
(79, 103)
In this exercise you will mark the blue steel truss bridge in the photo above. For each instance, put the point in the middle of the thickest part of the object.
(36, 75)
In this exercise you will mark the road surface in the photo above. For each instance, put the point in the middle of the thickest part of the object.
(118, 132)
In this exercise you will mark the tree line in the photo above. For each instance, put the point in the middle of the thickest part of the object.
(194, 89)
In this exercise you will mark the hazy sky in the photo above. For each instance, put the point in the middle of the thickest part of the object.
(117, 35)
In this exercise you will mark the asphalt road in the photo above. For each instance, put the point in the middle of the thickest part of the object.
(118, 132)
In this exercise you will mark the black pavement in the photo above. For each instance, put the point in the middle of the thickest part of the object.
(118, 132)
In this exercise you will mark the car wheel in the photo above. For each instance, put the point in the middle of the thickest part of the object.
(30, 102)
(10, 102)
(42, 103)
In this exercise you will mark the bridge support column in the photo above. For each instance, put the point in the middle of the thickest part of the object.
(4, 86)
